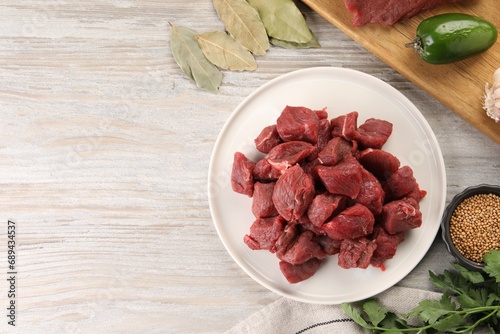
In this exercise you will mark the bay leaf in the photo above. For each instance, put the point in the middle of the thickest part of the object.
(312, 43)
(189, 56)
(225, 52)
(283, 20)
(243, 22)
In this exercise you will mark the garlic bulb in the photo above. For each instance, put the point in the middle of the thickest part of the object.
(492, 97)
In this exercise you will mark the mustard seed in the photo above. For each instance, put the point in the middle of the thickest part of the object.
(474, 226)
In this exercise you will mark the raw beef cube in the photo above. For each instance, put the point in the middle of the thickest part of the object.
(262, 203)
(354, 222)
(322, 113)
(267, 139)
(306, 225)
(325, 133)
(380, 163)
(345, 125)
(242, 174)
(416, 194)
(309, 168)
(356, 253)
(400, 216)
(285, 241)
(334, 151)
(293, 193)
(323, 206)
(342, 179)
(298, 123)
(303, 249)
(265, 172)
(410, 201)
(285, 155)
(324, 136)
(389, 11)
(401, 183)
(373, 133)
(264, 233)
(330, 246)
(301, 272)
(387, 245)
(371, 194)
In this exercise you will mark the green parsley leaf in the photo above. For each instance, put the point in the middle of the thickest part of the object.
(453, 322)
(492, 264)
(473, 298)
(448, 281)
(374, 311)
(431, 310)
(493, 299)
(355, 315)
(392, 320)
(472, 276)
(477, 295)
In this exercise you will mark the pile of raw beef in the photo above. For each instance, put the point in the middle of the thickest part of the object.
(326, 187)
(389, 11)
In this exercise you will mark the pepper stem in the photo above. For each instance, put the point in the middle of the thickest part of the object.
(416, 44)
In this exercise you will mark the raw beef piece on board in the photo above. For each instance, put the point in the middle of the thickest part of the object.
(389, 11)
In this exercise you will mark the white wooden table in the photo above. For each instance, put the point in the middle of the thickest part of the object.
(104, 153)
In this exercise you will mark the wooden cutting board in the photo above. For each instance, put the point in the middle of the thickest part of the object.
(459, 86)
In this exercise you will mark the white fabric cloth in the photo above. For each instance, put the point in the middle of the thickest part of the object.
(286, 316)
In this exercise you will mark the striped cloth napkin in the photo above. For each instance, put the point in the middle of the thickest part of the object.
(288, 316)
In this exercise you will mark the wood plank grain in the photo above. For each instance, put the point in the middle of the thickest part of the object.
(459, 86)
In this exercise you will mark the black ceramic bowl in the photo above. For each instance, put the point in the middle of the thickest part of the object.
(445, 222)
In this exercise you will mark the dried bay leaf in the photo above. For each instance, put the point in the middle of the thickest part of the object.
(283, 20)
(243, 22)
(189, 56)
(224, 51)
(312, 43)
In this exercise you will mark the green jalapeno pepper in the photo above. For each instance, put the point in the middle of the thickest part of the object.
(451, 37)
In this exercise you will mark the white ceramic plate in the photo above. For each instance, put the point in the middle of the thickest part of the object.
(341, 91)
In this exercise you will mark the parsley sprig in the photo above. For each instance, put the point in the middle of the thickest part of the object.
(470, 300)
